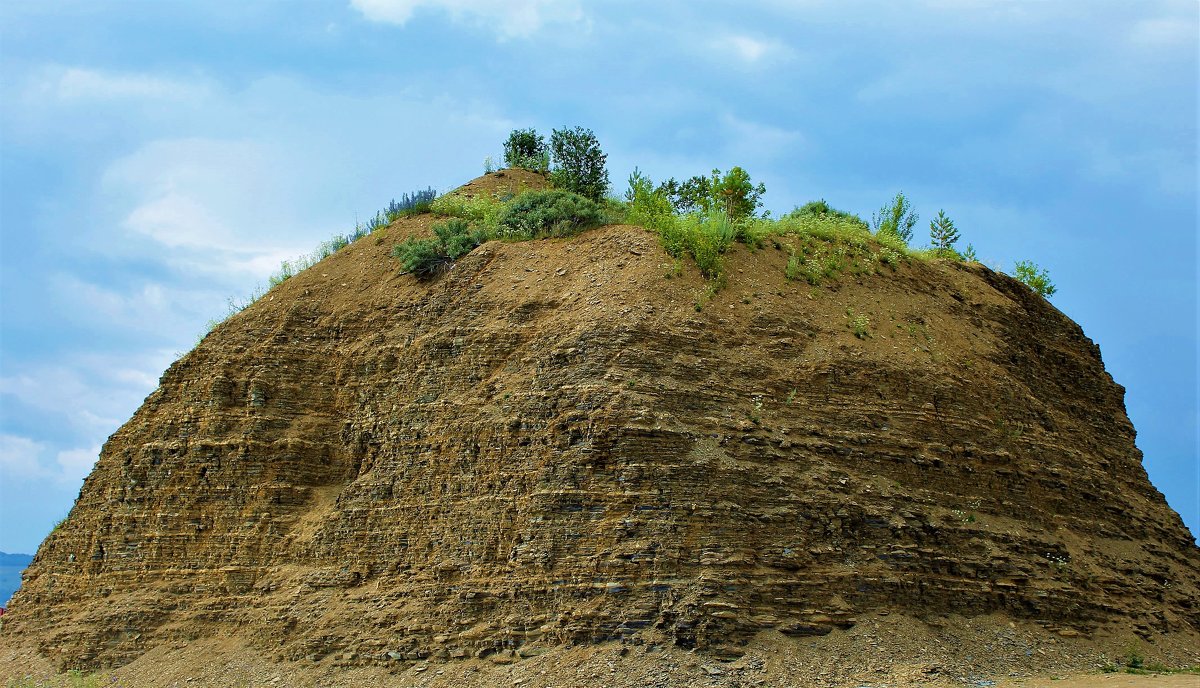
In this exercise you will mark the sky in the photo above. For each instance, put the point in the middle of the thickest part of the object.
(158, 159)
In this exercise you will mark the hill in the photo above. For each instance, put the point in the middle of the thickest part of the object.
(573, 454)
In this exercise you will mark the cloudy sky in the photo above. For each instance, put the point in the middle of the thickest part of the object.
(158, 158)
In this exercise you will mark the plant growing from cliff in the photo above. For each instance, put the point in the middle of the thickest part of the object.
(895, 219)
(526, 149)
(1034, 277)
(426, 257)
(858, 323)
(579, 164)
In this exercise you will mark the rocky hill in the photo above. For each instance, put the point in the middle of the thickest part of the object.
(555, 445)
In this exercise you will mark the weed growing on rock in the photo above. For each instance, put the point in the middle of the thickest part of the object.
(860, 324)
(895, 219)
(1034, 277)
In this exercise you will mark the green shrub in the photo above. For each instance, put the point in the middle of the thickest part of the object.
(705, 239)
(483, 210)
(821, 209)
(646, 206)
(526, 149)
(895, 219)
(426, 257)
(536, 214)
(578, 163)
(1034, 277)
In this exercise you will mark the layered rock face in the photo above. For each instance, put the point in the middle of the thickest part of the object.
(552, 444)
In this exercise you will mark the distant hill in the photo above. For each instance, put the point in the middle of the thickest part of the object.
(11, 566)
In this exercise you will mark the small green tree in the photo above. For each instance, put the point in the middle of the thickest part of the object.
(526, 149)
(733, 194)
(1035, 278)
(943, 234)
(578, 163)
(895, 218)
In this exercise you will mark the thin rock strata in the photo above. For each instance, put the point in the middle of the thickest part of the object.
(551, 445)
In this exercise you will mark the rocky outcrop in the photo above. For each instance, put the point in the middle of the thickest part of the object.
(552, 444)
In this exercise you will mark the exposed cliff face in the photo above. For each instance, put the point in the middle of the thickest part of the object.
(550, 444)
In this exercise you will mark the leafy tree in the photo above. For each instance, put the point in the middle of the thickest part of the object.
(733, 194)
(895, 218)
(730, 193)
(943, 234)
(526, 149)
(578, 163)
(1035, 278)
(691, 195)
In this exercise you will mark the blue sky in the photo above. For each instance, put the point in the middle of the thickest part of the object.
(158, 158)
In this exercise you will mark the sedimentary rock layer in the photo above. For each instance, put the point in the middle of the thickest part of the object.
(555, 442)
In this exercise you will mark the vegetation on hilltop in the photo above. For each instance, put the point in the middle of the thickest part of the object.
(701, 218)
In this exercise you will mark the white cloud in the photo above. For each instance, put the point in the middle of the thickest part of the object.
(750, 50)
(1164, 33)
(19, 457)
(75, 464)
(22, 460)
(509, 18)
(87, 395)
(216, 206)
(77, 83)
(82, 84)
(758, 142)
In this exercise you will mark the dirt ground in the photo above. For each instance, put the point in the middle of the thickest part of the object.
(892, 652)
(1106, 680)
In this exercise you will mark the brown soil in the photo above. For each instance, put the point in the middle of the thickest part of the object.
(549, 460)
